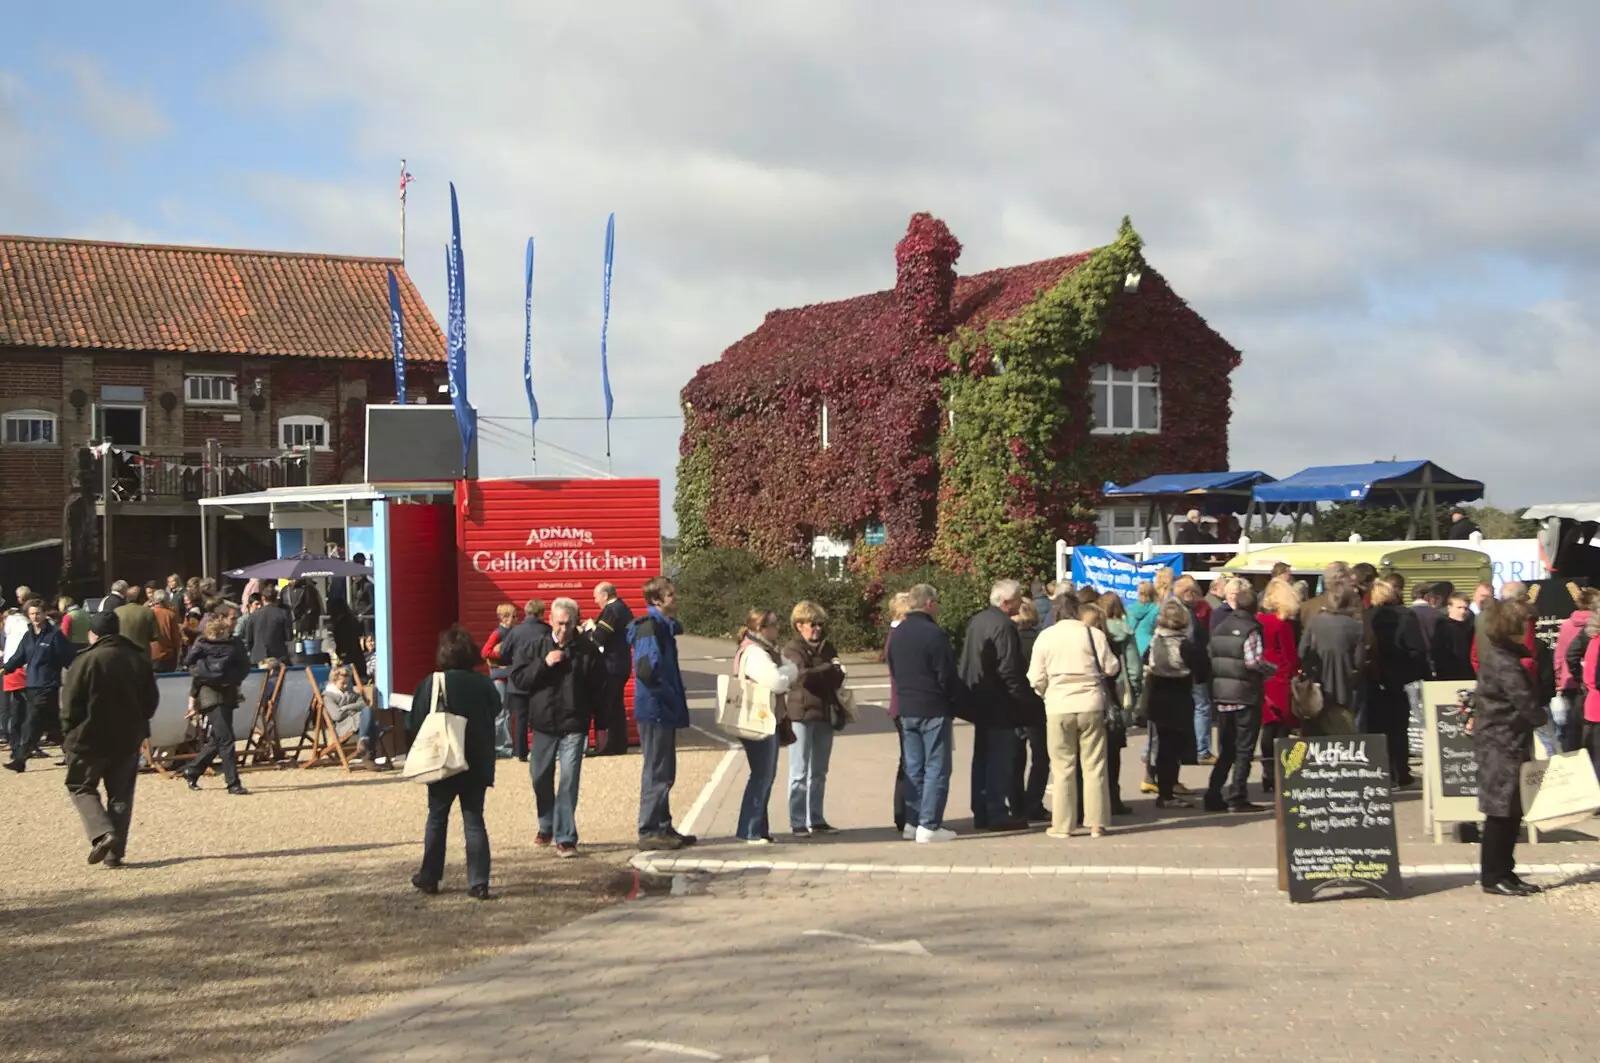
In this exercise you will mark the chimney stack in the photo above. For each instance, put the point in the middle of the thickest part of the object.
(925, 280)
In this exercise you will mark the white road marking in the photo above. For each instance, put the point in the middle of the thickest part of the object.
(675, 1049)
(907, 947)
(703, 798)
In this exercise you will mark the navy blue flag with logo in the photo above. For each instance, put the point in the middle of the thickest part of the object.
(605, 319)
(466, 420)
(527, 338)
(397, 334)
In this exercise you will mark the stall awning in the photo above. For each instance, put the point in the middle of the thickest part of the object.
(280, 496)
(1189, 483)
(1380, 484)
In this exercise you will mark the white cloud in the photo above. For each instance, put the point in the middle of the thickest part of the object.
(116, 112)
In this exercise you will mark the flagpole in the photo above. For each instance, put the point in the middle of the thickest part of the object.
(402, 212)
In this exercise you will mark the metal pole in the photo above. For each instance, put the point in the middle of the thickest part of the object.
(402, 212)
(346, 506)
(105, 520)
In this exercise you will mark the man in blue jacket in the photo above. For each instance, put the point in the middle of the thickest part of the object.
(929, 695)
(45, 652)
(661, 709)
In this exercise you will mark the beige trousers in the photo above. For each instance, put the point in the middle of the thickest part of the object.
(1073, 736)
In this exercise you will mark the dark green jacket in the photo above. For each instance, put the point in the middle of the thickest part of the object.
(469, 694)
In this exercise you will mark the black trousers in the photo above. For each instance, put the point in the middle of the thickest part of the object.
(1499, 840)
(85, 777)
(1237, 734)
(905, 795)
(519, 726)
(1270, 771)
(1113, 776)
(1028, 781)
(441, 795)
(43, 703)
(13, 711)
(613, 717)
(1572, 733)
(221, 743)
(1169, 758)
(1390, 715)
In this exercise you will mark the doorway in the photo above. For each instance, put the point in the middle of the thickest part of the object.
(123, 427)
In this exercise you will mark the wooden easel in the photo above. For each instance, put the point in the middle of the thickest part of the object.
(262, 746)
(320, 731)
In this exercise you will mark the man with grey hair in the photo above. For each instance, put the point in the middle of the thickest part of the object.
(565, 678)
(993, 668)
(929, 695)
(117, 598)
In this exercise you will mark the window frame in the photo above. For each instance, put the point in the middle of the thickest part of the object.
(10, 417)
(1106, 529)
(827, 438)
(303, 420)
(1104, 376)
(190, 379)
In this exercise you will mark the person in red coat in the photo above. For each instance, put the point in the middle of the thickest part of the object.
(1280, 607)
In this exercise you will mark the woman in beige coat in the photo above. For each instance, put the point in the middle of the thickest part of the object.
(1068, 666)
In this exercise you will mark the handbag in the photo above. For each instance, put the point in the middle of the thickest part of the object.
(844, 708)
(1305, 697)
(440, 749)
(1110, 704)
(745, 708)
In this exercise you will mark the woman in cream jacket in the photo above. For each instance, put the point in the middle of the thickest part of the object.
(1067, 667)
(760, 662)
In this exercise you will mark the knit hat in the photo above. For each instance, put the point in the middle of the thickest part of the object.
(105, 624)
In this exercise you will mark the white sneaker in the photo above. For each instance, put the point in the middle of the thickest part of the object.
(941, 834)
(910, 833)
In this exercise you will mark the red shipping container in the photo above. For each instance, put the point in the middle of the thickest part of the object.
(523, 539)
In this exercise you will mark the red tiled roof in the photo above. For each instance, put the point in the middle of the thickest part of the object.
(855, 328)
(144, 297)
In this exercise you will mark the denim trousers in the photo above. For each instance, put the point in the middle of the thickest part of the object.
(441, 795)
(905, 798)
(557, 806)
(761, 755)
(502, 723)
(808, 773)
(928, 743)
(658, 749)
(994, 753)
(369, 730)
(1202, 719)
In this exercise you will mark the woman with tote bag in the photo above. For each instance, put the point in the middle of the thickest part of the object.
(759, 660)
(464, 692)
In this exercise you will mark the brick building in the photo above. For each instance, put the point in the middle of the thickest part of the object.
(208, 371)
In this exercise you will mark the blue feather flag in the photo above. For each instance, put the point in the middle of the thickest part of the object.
(527, 337)
(605, 319)
(456, 267)
(397, 335)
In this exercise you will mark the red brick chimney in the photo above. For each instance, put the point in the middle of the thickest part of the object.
(925, 280)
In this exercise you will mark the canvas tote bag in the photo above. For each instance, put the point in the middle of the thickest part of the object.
(440, 750)
(745, 709)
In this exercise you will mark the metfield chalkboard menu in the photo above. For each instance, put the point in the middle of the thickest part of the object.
(1336, 829)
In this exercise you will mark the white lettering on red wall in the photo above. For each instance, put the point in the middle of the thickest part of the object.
(559, 550)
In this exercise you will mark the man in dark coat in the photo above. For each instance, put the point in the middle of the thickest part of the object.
(929, 695)
(44, 653)
(611, 635)
(531, 630)
(271, 629)
(107, 701)
(993, 668)
(1192, 532)
(565, 679)
(1461, 525)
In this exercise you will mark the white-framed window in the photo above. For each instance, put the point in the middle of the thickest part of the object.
(830, 556)
(210, 389)
(28, 428)
(1119, 526)
(1126, 400)
(299, 433)
(827, 435)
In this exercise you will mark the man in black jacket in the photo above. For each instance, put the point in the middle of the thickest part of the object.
(611, 634)
(992, 667)
(524, 635)
(271, 629)
(107, 699)
(929, 695)
(44, 654)
(565, 679)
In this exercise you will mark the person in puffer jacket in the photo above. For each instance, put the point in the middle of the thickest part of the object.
(219, 664)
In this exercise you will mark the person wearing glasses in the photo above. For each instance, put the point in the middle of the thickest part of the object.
(813, 707)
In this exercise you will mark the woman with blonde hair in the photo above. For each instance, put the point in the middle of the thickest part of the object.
(759, 661)
(1129, 683)
(1142, 616)
(1071, 664)
(905, 795)
(1174, 660)
(813, 708)
(1279, 616)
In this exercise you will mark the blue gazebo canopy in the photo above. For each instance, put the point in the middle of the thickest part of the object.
(1381, 484)
(1188, 483)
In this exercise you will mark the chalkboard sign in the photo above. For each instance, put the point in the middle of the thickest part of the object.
(1336, 827)
(1458, 755)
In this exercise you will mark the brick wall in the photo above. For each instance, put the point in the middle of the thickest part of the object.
(33, 479)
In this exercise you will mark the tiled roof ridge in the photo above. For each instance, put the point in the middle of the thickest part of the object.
(201, 249)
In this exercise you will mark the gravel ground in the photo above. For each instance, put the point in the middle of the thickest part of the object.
(243, 925)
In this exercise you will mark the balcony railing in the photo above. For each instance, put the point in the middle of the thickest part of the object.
(167, 475)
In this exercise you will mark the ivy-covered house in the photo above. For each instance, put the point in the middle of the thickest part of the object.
(968, 421)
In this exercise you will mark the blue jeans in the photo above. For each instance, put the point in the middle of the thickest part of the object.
(994, 752)
(367, 728)
(1202, 719)
(658, 749)
(502, 723)
(557, 807)
(808, 773)
(928, 743)
(762, 757)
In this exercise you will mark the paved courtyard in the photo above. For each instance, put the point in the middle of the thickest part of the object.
(1167, 940)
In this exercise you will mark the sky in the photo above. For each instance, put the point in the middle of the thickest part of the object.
(1392, 210)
